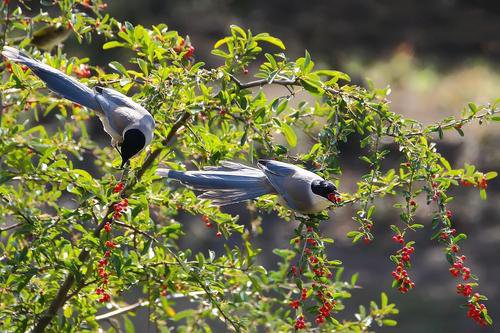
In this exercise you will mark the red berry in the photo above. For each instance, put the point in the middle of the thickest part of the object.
(245, 71)
(295, 304)
(107, 227)
(320, 320)
(118, 188)
(208, 225)
(110, 244)
(190, 52)
(466, 182)
(300, 323)
(449, 213)
(412, 202)
(218, 234)
(366, 240)
(163, 292)
(332, 197)
(205, 218)
(454, 248)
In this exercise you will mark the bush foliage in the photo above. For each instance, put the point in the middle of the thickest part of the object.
(73, 244)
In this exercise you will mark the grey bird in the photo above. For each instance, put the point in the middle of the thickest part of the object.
(300, 190)
(130, 125)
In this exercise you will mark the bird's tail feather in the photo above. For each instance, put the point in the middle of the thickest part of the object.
(228, 184)
(55, 80)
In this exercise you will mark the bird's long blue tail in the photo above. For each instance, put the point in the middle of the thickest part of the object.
(55, 80)
(228, 184)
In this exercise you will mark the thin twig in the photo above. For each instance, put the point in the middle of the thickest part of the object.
(128, 226)
(124, 309)
(10, 227)
(263, 82)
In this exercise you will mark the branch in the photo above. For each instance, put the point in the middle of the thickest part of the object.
(118, 311)
(128, 226)
(263, 82)
(62, 294)
(11, 227)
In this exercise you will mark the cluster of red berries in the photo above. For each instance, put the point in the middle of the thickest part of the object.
(181, 47)
(482, 183)
(334, 198)
(83, 71)
(118, 188)
(476, 313)
(445, 233)
(437, 192)
(163, 291)
(300, 323)
(323, 296)
(206, 220)
(119, 208)
(400, 274)
(464, 289)
(209, 224)
(8, 65)
(459, 268)
(104, 275)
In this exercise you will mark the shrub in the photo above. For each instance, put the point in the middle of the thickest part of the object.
(73, 243)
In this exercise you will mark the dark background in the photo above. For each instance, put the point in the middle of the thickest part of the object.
(436, 56)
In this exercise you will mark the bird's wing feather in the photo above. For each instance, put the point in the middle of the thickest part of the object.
(277, 168)
(57, 81)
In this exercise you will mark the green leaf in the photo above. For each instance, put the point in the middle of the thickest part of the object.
(334, 74)
(354, 279)
(222, 41)
(112, 44)
(445, 163)
(310, 86)
(240, 31)
(490, 175)
(129, 325)
(271, 40)
(68, 311)
(143, 66)
(384, 300)
(389, 322)
(289, 134)
(482, 194)
(119, 68)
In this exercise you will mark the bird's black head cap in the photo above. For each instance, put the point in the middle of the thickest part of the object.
(133, 142)
(325, 189)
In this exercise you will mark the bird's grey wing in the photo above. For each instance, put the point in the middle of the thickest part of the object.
(277, 168)
(233, 166)
(57, 81)
(288, 180)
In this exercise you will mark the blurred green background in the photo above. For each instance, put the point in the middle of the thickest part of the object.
(436, 55)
